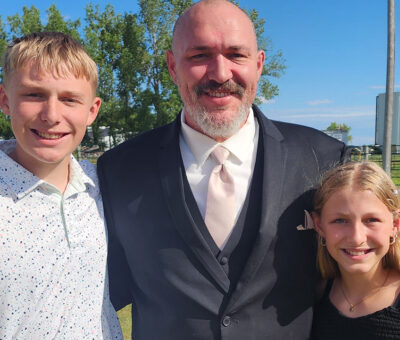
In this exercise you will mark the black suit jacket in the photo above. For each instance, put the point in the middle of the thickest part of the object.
(159, 261)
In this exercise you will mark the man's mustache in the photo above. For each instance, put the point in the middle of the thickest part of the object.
(228, 86)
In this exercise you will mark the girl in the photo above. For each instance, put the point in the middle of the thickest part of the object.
(356, 216)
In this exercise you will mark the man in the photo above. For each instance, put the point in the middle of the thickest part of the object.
(208, 249)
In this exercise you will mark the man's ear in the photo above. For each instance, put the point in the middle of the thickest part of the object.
(4, 101)
(260, 62)
(171, 65)
(317, 224)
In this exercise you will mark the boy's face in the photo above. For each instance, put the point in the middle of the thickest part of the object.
(48, 115)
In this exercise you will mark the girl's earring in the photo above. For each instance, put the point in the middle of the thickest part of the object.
(322, 241)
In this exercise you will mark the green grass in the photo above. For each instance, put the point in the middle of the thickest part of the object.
(124, 316)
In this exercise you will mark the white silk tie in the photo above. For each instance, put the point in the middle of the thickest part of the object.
(220, 207)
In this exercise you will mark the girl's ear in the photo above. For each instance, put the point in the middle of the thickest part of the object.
(317, 224)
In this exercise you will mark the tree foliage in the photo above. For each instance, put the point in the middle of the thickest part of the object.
(134, 83)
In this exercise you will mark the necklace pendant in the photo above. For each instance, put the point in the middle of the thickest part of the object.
(351, 309)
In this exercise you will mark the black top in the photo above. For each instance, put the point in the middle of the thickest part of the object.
(329, 323)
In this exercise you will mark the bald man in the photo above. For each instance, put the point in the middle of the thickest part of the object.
(203, 247)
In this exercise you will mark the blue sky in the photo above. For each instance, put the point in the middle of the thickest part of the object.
(335, 52)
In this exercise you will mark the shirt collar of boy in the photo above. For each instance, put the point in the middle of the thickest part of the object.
(21, 182)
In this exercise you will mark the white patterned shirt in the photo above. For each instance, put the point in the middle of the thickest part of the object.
(53, 249)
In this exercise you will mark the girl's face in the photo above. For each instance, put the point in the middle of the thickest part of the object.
(357, 228)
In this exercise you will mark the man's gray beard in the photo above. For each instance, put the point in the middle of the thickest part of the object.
(204, 120)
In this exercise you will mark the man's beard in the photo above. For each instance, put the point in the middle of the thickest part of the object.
(208, 122)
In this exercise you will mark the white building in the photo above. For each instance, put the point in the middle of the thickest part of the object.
(380, 120)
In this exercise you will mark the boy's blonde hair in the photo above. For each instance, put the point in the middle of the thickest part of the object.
(54, 52)
(358, 176)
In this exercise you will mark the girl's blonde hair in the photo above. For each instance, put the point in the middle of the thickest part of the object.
(360, 176)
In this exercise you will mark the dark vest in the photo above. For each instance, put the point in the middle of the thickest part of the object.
(234, 255)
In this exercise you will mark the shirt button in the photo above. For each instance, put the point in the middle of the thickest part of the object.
(224, 260)
(226, 321)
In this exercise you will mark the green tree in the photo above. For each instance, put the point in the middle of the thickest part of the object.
(274, 65)
(57, 23)
(158, 18)
(102, 42)
(28, 23)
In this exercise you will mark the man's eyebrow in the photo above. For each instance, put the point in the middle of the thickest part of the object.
(206, 48)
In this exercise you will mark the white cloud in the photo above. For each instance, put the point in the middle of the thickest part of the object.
(268, 101)
(319, 102)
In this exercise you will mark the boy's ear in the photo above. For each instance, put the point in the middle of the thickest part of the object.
(93, 111)
(317, 224)
(4, 100)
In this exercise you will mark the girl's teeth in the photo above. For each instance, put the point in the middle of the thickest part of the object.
(356, 253)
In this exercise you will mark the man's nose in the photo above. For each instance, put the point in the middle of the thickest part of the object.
(219, 69)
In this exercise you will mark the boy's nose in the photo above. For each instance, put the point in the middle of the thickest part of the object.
(50, 112)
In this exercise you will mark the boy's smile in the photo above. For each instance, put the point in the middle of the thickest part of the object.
(49, 115)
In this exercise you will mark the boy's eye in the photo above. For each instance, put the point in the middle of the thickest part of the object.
(68, 100)
(372, 220)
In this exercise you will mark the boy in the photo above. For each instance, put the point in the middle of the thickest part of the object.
(53, 279)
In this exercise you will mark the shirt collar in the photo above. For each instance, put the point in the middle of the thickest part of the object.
(201, 145)
(21, 181)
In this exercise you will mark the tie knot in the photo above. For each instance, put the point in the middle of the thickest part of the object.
(220, 154)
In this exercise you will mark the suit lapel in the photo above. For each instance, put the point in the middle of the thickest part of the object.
(275, 155)
(171, 172)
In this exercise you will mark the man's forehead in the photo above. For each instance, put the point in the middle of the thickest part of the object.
(203, 29)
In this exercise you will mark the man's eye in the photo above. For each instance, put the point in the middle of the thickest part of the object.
(340, 220)
(198, 56)
(237, 55)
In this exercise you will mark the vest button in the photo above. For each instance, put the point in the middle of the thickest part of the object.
(224, 260)
(226, 321)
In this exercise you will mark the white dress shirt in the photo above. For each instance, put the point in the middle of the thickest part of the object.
(53, 250)
(196, 149)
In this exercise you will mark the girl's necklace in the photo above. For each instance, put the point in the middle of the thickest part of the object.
(353, 306)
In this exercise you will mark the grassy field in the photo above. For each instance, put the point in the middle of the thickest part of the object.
(124, 316)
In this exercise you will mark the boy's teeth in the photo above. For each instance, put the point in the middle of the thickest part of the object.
(49, 135)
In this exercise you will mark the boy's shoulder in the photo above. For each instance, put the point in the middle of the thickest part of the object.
(86, 171)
